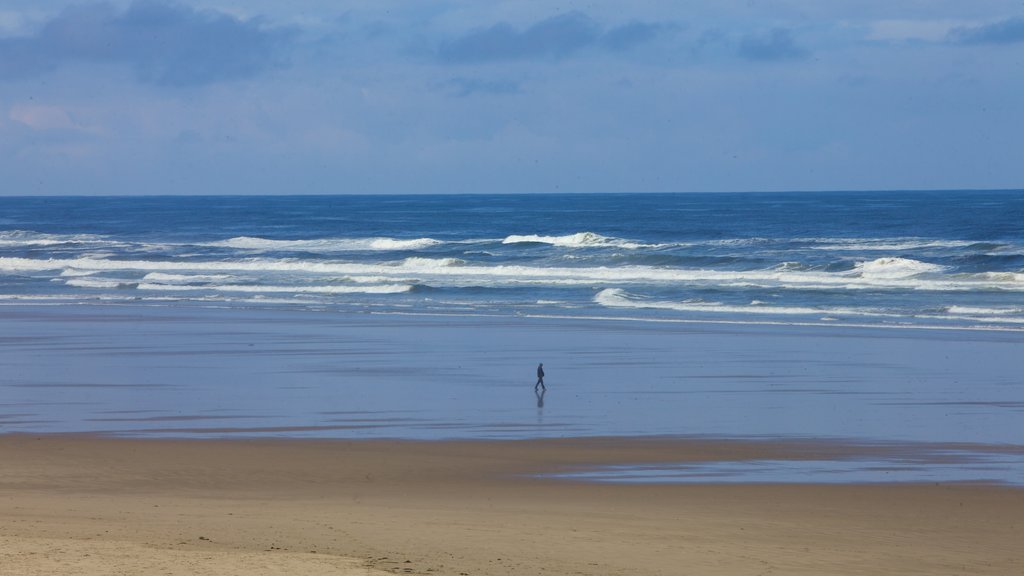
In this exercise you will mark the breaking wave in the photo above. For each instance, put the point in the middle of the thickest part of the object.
(165, 278)
(325, 245)
(885, 244)
(618, 298)
(896, 268)
(98, 283)
(578, 240)
(25, 238)
(884, 273)
(307, 289)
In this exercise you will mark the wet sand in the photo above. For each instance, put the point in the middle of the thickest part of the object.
(211, 373)
(89, 505)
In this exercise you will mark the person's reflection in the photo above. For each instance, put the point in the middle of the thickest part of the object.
(540, 396)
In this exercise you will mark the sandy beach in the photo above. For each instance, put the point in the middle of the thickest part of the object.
(87, 505)
(173, 441)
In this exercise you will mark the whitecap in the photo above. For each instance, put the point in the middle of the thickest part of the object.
(306, 289)
(882, 244)
(618, 298)
(395, 244)
(977, 310)
(98, 283)
(70, 272)
(17, 238)
(431, 263)
(885, 274)
(895, 268)
(578, 240)
(325, 244)
(165, 278)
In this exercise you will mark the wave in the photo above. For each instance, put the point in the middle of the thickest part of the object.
(895, 268)
(77, 272)
(885, 244)
(884, 273)
(977, 310)
(618, 298)
(430, 263)
(578, 240)
(259, 288)
(164, 278)
(326, 244)
(27, 238)
(99, 283)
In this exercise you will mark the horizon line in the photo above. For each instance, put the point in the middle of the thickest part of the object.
(394, 194)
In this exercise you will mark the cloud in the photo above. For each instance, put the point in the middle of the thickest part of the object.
(162, 42)
(776, 45)
(1007, 31)
(554, 38)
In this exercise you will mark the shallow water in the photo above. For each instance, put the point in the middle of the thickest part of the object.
(210, 372)
(925, 466)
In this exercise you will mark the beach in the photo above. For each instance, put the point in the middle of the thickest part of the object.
(206, 441)
(81, 505)
(350, 389)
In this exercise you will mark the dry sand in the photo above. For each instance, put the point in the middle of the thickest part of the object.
(90, 506)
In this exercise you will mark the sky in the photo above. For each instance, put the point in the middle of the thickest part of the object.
(502, 96)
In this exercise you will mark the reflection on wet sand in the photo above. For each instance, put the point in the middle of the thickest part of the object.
(284, 373)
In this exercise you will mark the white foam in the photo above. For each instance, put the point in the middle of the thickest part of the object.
(431, 263)
(892, 268)
(97, 283)
(578, 240)
(618, 298)
(1010, 277)
(979, 311)
(882, 244)
(326, 244)
(887, 273)
(375, 289)
(70, 272)
(18, 238)
(371, 279)
(394, 244)
(165, 278)
(788, 266)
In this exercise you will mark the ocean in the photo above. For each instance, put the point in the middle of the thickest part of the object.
(891, 319)
(889, 259)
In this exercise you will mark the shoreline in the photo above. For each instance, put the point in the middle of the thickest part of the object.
(738, 321)
(190, 372)
(472, 507)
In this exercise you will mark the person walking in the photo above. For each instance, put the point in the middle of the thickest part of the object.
(540, 378)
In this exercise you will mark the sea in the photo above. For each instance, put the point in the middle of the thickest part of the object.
(887, 259)
(888, 320)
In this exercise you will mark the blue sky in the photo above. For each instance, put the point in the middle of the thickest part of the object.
(317, 96)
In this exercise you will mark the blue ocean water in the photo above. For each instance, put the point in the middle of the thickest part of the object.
(936, 259)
